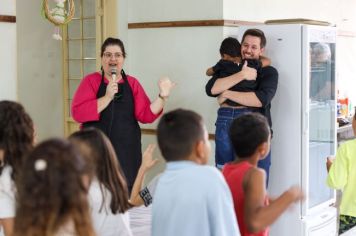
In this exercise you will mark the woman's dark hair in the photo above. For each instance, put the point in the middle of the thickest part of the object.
(97, 148)
(178, 131)
(230, 46)
(112, 42)
(247, 132)
(51, 192)
(16, 135)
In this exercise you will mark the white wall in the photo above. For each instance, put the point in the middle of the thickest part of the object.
(122, 9)
(8, 80)
(183, 54)
(8, 7)
(334, 11)
(346, 75)
(256, 10)
(174, 10)
(40, 86)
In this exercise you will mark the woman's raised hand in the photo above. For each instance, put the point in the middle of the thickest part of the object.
(165, 85)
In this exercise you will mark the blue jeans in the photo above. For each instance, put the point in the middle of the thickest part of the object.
(224, 151)
(265, 164)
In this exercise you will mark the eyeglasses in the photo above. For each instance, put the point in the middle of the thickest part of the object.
(109, 55)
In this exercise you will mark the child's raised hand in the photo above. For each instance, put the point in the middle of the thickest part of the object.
(147, 160)
(296, 193)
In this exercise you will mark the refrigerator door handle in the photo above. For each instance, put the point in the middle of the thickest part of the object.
(305, 123)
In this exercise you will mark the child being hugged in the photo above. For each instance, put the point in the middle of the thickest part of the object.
(231, 63)
(250, 137)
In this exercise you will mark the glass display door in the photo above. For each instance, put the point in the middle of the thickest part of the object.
(322, 116)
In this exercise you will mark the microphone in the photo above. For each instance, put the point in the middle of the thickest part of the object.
(113, 77)
(113, 74)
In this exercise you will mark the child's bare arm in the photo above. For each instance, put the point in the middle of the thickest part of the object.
(237, 60)
(271, 199)
(265, 61)
(7, 225)
(257, 215)
(210, 71)
(147, 163)
(329, 162)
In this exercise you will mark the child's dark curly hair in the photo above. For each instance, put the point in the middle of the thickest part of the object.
(16, 134)
(52, 192)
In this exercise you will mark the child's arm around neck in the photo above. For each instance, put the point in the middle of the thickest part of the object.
(265, 61)
(210, 71)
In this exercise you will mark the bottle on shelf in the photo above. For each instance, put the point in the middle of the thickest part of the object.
(343, 105)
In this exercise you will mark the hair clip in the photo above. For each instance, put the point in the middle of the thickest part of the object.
(40, 165)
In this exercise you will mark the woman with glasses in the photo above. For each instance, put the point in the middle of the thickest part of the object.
(114, 102)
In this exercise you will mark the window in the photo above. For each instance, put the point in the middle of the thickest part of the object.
(82, 38)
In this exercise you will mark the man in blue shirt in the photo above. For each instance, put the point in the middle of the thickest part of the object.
(191, 198)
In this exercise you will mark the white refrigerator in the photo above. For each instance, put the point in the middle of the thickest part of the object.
(304, 124)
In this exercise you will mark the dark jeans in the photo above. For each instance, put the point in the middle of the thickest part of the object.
(265, 164)
(224, 152)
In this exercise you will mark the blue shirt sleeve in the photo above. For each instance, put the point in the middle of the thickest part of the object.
(221, 208)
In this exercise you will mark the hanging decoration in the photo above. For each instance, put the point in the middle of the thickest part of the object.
(58, 15)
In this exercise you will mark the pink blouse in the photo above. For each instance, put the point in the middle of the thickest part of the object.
(85, 106)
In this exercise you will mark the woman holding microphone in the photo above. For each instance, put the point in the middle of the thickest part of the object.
(115, 102)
